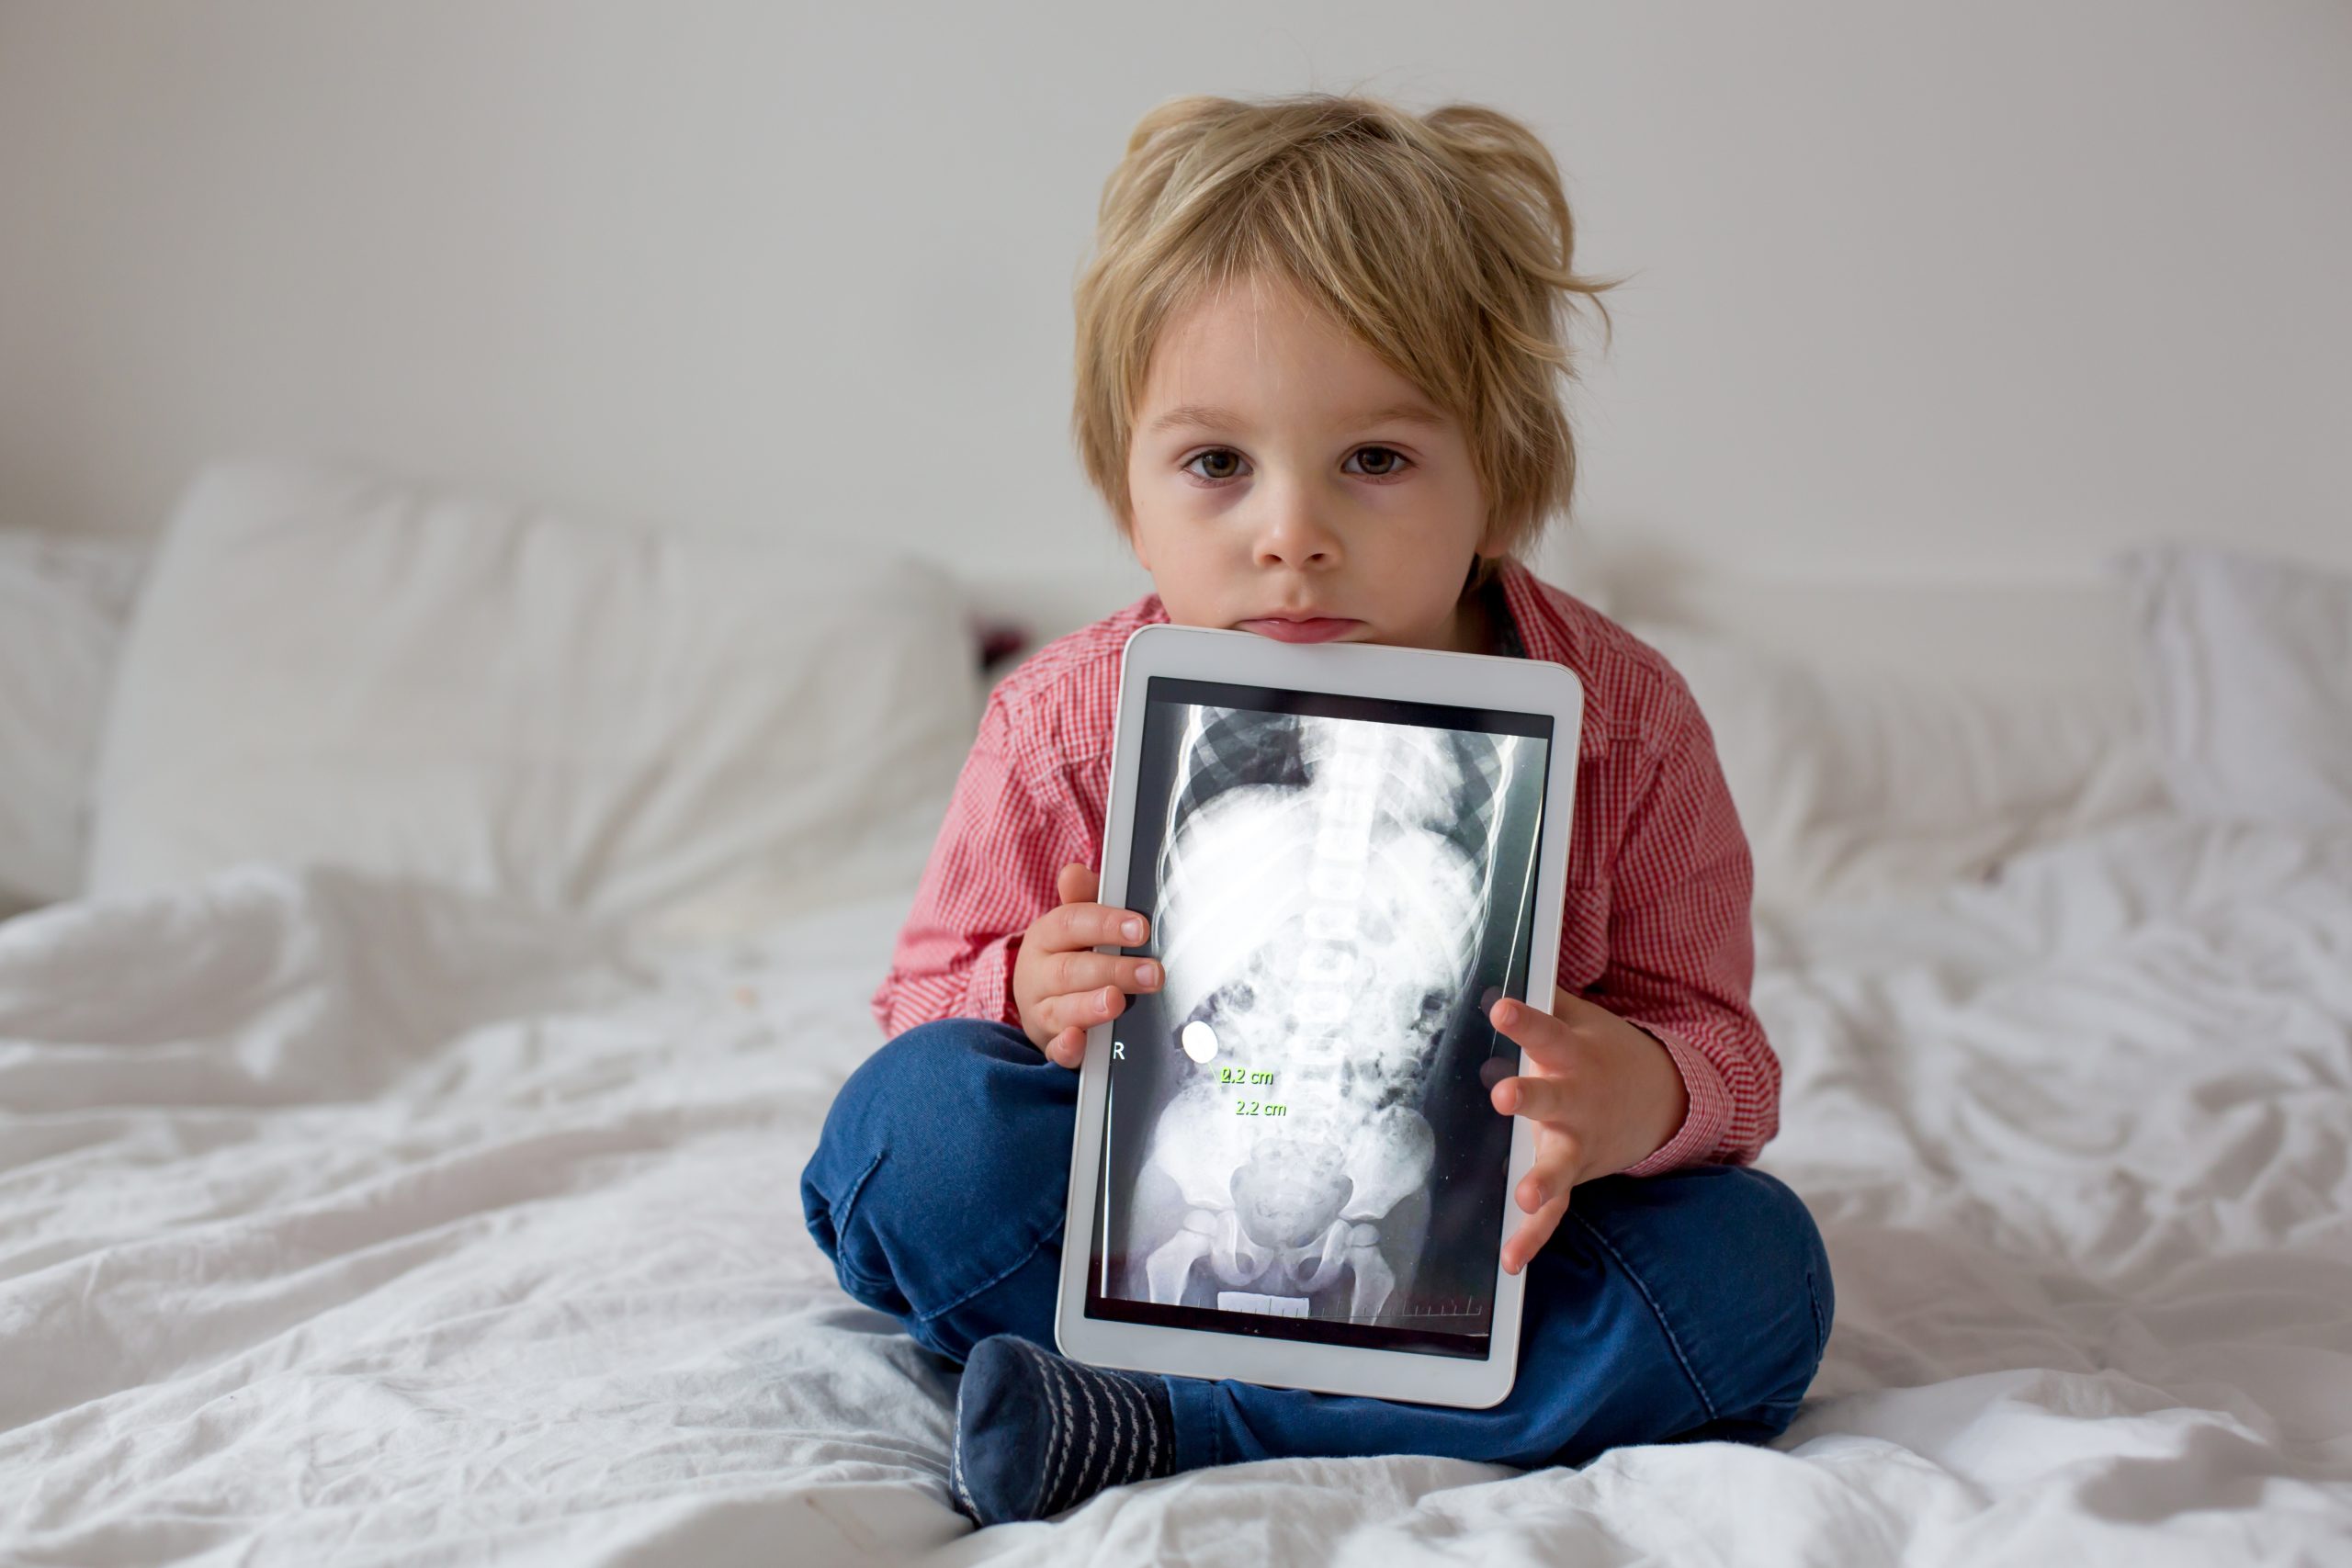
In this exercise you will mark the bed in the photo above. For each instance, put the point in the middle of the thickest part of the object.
(409, 1210)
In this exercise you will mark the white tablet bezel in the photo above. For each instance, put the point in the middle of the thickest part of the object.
(1460, 680)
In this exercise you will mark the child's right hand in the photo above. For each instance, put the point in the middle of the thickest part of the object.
(1061, 985)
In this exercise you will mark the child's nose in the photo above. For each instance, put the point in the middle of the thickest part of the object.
(1293, 534)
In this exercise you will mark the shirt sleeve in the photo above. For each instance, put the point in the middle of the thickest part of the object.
(991, 873)
(1682, 951)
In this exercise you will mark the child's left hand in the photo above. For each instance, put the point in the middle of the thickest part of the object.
(1603, 1095)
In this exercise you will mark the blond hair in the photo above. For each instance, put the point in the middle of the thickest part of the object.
(1441, 241)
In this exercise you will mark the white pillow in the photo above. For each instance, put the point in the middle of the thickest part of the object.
(1853, 783)
(689, 729)
(63, 606)
(2246, 662)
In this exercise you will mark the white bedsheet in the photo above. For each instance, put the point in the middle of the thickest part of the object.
(343, 1220)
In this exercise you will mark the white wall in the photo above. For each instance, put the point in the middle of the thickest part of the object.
(1961, 290)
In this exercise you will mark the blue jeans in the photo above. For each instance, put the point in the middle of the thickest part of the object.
(1665, 1309)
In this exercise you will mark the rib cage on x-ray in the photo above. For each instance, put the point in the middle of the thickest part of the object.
(1324, 887)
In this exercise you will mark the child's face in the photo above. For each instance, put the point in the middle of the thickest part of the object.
(1277, 471)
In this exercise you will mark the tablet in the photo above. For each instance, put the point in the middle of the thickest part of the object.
(1287, 1167)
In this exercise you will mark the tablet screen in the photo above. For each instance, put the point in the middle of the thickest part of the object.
(1299, 1139)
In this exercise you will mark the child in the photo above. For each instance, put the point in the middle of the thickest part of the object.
(1316, 359)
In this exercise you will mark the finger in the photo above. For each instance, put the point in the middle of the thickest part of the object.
(1086, 970)
(1069, 1048)
(1082, 1010)
(1077, 883)
(1076, 926)
(1537, 1099)
(1590, 1020)
(1553, 1174)
(1537, 1032)
(1575, 1010)
(1528, 1239)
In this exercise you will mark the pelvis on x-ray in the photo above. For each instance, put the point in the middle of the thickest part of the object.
(1323, 931)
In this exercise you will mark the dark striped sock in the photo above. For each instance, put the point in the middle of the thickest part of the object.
(1037, 1433)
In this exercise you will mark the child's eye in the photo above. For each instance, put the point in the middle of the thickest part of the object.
(1385, 463)
(1215, 455)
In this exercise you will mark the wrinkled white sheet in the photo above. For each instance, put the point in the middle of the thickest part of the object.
(343, 1220)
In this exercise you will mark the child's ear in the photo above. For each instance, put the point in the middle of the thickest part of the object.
(1495, 543)
(1495, 538)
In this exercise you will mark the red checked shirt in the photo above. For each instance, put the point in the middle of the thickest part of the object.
(1656, 926)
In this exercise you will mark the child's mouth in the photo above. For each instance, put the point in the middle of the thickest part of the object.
(1316, 629)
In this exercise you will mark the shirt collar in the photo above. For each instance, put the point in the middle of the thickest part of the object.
(1541, 634)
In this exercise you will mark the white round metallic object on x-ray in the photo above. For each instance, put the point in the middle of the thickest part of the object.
(1200, 1041)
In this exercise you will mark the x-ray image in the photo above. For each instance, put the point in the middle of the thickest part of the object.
(1299, 1124)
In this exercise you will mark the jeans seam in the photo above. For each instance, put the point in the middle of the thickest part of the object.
(1673, 1342)
(1820, 1329)
(1208, 1400)
(837, 1215)
(996, 1279)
